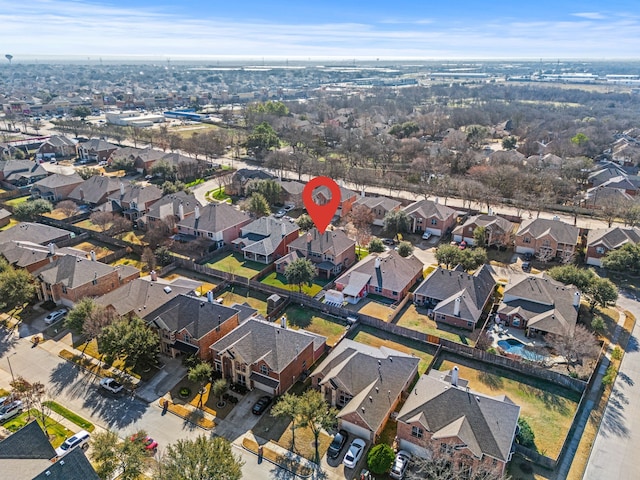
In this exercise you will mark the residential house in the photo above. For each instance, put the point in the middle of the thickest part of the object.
(387, 274)
(56, 187)
(267, 355)
(33, 256)
(143, 159)
(291, 193)
(431, 216)
(540, 305)
(140, 297)
(96, 150)
(602, 241)
(331, 251)
(322, 196)
(5, 217)
(57, 146)
(133, 200)
(602, 175)
(219, 222)
(456, 297)
(191, 325)
(547, 239)
(242, 176)
(34, 232)
(630, 185)
(21, 172)
(175, 206)
(68, 279)
(266, 239)
(498, 231)
(379, 207)
(95, 190)
(282, 263)
(365, 383)
(604, 197)
(443, 416)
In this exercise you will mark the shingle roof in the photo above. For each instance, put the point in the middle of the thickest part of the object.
(195, 315)
(491, 221)
(28, 442)
(4, 213)
(58, 180)
(215, 217)
(98, 145)
(169, 205)
(331, 241)
(16, 169)
(375, 377)
(140, 194)
(73, 465)
(614, 237)
(252, 173)
(95, 189)
(485, 424)
(24, 254)
(33, 232)
(557, 229)
(345, 193)
(373, 202)
(140, 296)
(257, 340)
(395, 272)
(429, 209)
(60, 141)
(71, 271)
(292, 187)
(264, 235)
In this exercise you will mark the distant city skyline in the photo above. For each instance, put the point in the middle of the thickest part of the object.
(403, 29)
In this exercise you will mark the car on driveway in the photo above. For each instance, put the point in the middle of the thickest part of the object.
(426, 235)
(354, 454)
(388, 241)
(288, 208)
(261, 405)
(55, 316)
(150, 445)
(400, 464)
(111, 385)
(280, 213)
(10, 410)
(526, 266)
(80, 439)
(337, 443)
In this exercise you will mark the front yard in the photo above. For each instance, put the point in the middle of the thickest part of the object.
(57, 433)
(206, 402)
(313, 321)
(415, 319)
(276, 279)
(235, 264)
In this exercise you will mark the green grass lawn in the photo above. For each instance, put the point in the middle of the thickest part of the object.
(57, 433)
(370, 307)
(236, 264)
(14, 202)
(243, 295)
(414, 320)
(276, 279)
(69, 415)
(299, 317)
(378, 338)
(130, 260)
(548, 408)
(218, 194)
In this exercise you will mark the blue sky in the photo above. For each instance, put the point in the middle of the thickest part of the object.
(304, 29)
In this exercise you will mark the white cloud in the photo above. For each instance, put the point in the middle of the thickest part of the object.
(590, 15)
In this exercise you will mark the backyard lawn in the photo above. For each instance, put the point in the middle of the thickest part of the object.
(236, 264)
(377, 338)
(299, 317)
(242, 295)
(89, 225)
(276, 279)
(370, 307)
(548, 408)
(130, 260)
(411, 318)
(101, 251)
(12, 223)
(17, 201)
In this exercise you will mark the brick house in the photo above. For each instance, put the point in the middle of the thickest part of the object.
(34, 232)
(365, 383)
(219, 222)
(602, 241)
(96, 150)
(56, 187)
(176, 206)
(379, 207)
(331, 252)
(456, 297)
(191, 325)
(95, 190)
(21, 172)
(442, 416)
(387, 274)
(134, 201)
(32, 256)
(322, 196)
(265, 239)
(69, 278)
(266, 355)
(498, 231)
(291, 193)
(430, 216)
(57, 146)
(242, 176)
(547, 239)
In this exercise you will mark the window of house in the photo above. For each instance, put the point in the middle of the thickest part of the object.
(416, 432)
(469, 325)
(241, 379)
(95, 281)
(304, 364)
(64, 289)
(264, 369)
(395, 294)
(546, 243)
(240, 366)
(526, 240)
(210, 234)
(494, 462)
(187, 338)
(600, 250)
(516, 322)
(217, 365)
(343, 399)
(419, 220)
(434, 221)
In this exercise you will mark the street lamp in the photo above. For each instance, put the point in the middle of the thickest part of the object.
(13, 379)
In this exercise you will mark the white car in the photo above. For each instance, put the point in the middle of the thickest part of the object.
(9, 410)
(111, 385)
(55, 316)
(426, 235)
(354, 454)
(80, 439)
(400, 464)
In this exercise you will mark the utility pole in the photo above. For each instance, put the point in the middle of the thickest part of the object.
(13, 379)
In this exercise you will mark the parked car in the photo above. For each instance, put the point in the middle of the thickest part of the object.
(426, 235)
(55, 316)
(387, 241)
(80, 439)
(111, 385)
(527, 256)
(280, 213)
(400, 464)
(150, 445)
(10, 410)
(288, 208)
(261, 405)
(526, 266)
(356, 449)
(337, 443)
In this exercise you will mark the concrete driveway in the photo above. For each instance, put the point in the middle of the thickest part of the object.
(240, 420)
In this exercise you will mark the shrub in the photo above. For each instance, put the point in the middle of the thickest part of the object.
(492, 350)
(380, 458)
(610, 375)
(597, 324)
(525, 436)
(616, 354)
(185, 392)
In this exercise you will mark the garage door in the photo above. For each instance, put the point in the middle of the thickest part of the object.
(356, 430)
(264, 383)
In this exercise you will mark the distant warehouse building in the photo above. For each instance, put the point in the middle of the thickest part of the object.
(132, 118)
(188, 114)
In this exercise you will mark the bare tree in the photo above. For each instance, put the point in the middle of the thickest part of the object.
(102, 220)
(449, 466)
(149, 258)
(99, 318)
(119, 224)
(576, 347)
(362, 218)
(68, 207)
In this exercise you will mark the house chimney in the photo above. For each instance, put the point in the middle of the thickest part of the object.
(456, 306)
(52, 248)
(362, 193)
(283, 321)
(377, 263)
(576, 299)
(197, 212)
(436, 200)
(284, 230)
(93, 255)
(81, 194)
(154, 276)
(181, 212)
(454, 376)
(210, 296)
(121, 188)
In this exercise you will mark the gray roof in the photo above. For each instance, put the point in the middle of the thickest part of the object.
(368, 374)
(331, 241)
(140, 194)
(215, 217)
(253, 174)
(395, 272)
(600, 176)
(488, 221)
(4, 213)
(264, 235)
(60, 141)
(486, 425)
(547, 305)
(33, 232)
(58, 180)
(345, 193)
(257, 340)
(140, 296)
(16, 169)
(292, 187)
(429, 209)
(614, 237)
(73, 465)
(169, 205)
(95, 189)
(446, 286)
(72, 272)
(98, 144)
(195, 315)
(387, 204)
(25, 453)
(539, 227)
(24, 254)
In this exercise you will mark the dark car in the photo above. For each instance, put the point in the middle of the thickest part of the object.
(388, 241)
(526, 267)
(337, 443)
(261, 405)
(527, 256)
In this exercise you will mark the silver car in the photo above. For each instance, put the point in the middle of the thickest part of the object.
(400, 464)
(10, 410)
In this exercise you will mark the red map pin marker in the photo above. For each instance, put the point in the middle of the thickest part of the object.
(321, 214)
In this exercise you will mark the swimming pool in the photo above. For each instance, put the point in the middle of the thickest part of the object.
(516, 347)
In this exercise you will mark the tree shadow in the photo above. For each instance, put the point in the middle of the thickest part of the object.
(613, 419)
(626, 379)
(117, 412)
(494, 382)
(551, 401)
(62, 376)
(7, 341)
(632, 344)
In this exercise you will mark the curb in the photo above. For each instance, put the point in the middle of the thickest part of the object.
(184, 418)
(274, 463)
